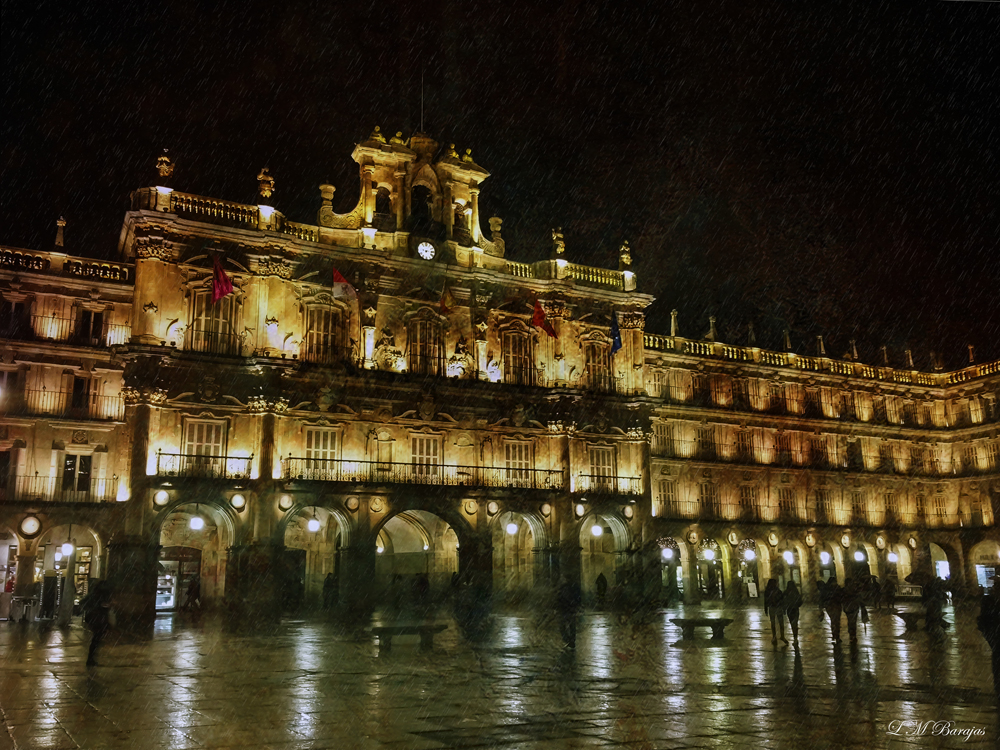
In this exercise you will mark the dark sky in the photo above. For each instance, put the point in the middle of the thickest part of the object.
(824, 167)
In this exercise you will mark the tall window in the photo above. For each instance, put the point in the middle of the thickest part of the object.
(783, 447)
(975, 410)
(90, 330)
(204, 448)
(321, 446)
(599, 372)
(663, 439)
(602, 467)
(940, 509)
(708, 495)
(82, 395)
(920, 507)
(744, 450)
(824, 508)
(786, 502)
(666, 499)
(76, 473)
(322, 335)
(425, 349)
(706, 441)
(425, 455)
(748, 502)
(213, 326)
(517, 461)
(518, 365)
(858, 510)
(891, 500)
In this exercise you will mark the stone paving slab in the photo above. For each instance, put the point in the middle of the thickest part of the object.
(630, 683)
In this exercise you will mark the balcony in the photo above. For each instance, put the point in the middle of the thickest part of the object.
(67, 405)
(598, 484)
(61, 489)
(203, 466)
(515, 375)
(599, 379)
(214, 342)
(65, 330)
(383, 472)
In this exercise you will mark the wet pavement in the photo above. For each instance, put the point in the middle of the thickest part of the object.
(629, 684)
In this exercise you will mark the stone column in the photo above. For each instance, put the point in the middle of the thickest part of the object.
(254, 574)
(24, 581)
(474, 224)
(401, 199)
(138, 482)
(367, 195)
(633, 353)
(132, 568)
(267, 445)
(448, 210)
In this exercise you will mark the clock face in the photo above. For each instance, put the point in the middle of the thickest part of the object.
(426, 250)
(30, 526)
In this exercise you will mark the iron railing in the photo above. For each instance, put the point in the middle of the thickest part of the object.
(601, 380)
(598, 484)
(68, 330)
(206, 467)
(69, 405)
(384, 472)
(60, 489)
(515, 375)
(214, 342)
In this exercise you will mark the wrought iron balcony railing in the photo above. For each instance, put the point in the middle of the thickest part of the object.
(214, 342)
(598, 484)
(601, 380)
(66, 404)
(63, 489)
(384, 472)
(66, 330)
(207, 467)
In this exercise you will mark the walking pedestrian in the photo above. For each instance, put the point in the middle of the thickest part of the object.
(601, 585)
(773, 608)
(853, 604)
(329, 590)
(989, 625)
(97, 614)
(791, 602)
(889, 593)
(831, 600)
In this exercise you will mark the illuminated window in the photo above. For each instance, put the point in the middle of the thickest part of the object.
(517, 460)
(708, 497)
(518, 364)
(748, 502)
(425, 455)
(213, 325)
(323, 331)
(321, 447)
(425, 348)
(598, 367)
(666, 498)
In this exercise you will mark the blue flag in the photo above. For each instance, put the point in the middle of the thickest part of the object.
(616, 335)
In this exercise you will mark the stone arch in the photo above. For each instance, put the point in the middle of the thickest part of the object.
(345, 524)
(981, 558)
(311, 539)
(62, 574)
(603, 553)
(520, 562)
(222, 514)
(941, 550)
(417, 557)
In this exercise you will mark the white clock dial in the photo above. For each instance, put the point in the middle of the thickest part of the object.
(426, 250)
(30, 526)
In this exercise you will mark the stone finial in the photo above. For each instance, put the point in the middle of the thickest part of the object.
(712, 334)
(854, 350)
(467, 156)
(265, 183)
(558, 243)
(164, 166)
(496, 224)
(60, 226)
(909, 358)
(397, 140)
(885, 355)
(788, 341)
(673, 323)
(326, 192)
(377, 135)
(751, 335)
(820, 347)
(625, 257)
(972, 354)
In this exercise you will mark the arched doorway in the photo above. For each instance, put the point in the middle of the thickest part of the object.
(787, 565)
(672, 570)
(191, 569)
(604, 542)
(860, 562)
(68, 557)
(517, 539)
(940, 564)
(748, 568)
(984, 558)
(8, 569)
(711, 581)
(416, 561)
(310, 566)
(827, 556)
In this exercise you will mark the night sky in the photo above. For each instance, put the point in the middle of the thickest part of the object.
(830, 168)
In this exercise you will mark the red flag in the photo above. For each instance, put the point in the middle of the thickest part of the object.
(538, 320)
(342, 288)
(221, 285)
(447, 301)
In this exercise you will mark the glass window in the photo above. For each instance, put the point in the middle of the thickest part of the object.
(322, 334)
(76, 473)
(666, 498)
(425, 348)
(425, 455)
(517, 460)
(213, 326)
(518, 364)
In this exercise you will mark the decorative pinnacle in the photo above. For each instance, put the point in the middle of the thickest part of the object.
(265, 183)
(164, 166)
(60, 225)
(625, 257)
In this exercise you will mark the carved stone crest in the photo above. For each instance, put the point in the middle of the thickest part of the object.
(427, 408)
(80, 437)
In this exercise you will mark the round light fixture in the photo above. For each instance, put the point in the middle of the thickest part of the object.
(58, 556)
(313, 525)
(546, 509)
(580, 510)
(668, 554)
(859, 556)
(492, 508)
(749, 555)
(788, 556)
(893, 557)
(628, 511)
(426, 547)
(197, 523)
(30, 525)
(512, 528)
(161, 498)
(238, 501)
(285, 502)
(709, 554)
(596, 530)
(824, 558)
(67, 549)
(380, 550)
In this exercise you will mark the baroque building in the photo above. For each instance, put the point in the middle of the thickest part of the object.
(415, 422)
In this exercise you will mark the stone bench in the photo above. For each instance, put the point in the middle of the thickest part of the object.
(688, 624)
(426, 633)
(912, 620)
